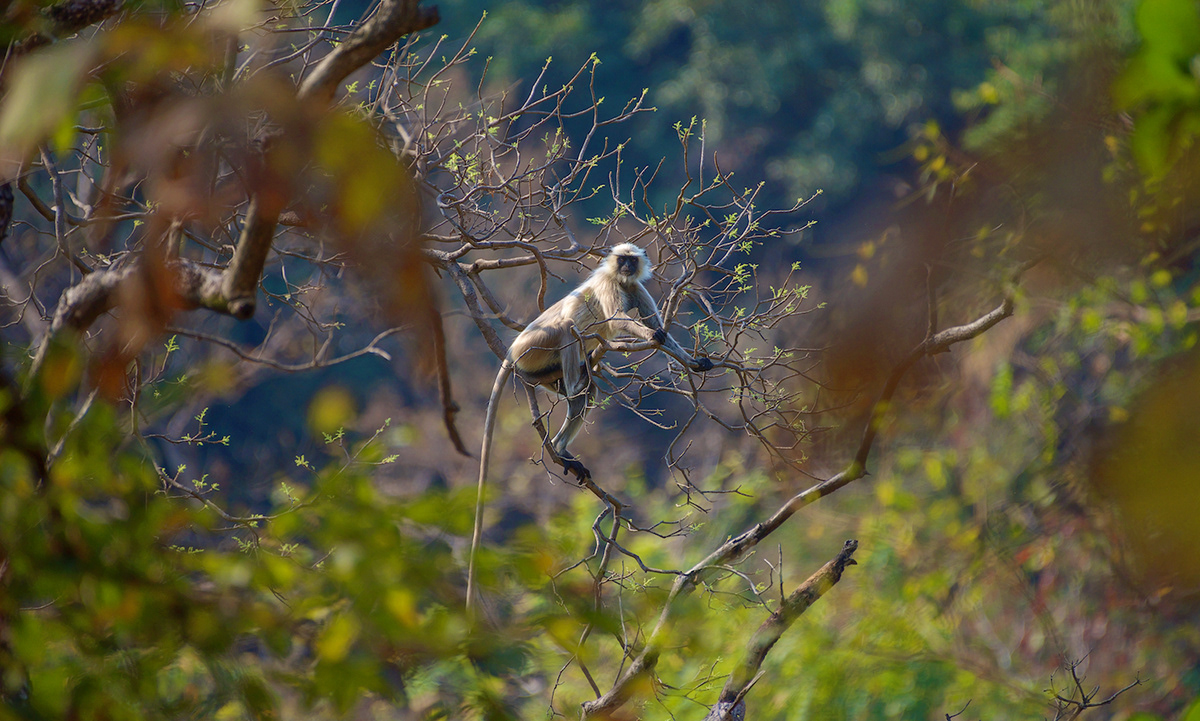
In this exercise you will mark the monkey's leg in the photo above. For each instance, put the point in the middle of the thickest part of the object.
(570, 465)
(576, 383)
(577, 408)
(576, 414)
(577, 386)
(569, 430)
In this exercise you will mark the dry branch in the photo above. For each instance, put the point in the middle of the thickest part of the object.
(445, 393)
(392, 20)
(739, 682)
(1078, 699)
(196, 287)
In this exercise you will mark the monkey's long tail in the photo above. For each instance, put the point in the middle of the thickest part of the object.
(489, 424)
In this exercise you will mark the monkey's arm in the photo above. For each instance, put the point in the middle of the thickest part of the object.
(607, 311)
(637, 325)
(647, 310)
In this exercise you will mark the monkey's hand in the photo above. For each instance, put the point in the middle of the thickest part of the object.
(572, 466)
(701, 365)
(660, 336)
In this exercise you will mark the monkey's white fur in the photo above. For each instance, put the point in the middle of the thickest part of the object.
(555, 351)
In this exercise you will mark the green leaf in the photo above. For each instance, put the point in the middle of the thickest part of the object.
(43, 96)
(335, 641)
(1153, 77)
(1192, 713)
(1170, 27)
(1152, 140)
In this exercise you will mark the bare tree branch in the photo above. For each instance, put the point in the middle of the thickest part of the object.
(1078, 699)
(445, 394)
(392, 20)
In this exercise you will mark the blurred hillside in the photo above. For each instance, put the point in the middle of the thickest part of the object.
(808, 96)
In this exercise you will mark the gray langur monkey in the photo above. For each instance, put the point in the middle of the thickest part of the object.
(556, 352)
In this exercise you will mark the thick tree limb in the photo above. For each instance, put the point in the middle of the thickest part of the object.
(743, 675)
(191, 285)
(391, 21)
(67, 18)
(234, 292)
(239, 283)
(196, 286)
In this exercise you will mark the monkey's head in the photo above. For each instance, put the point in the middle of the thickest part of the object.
(628, 263)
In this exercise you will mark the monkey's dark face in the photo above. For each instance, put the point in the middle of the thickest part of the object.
(628, 265)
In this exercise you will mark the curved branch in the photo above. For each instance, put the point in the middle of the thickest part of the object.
(449, 407)
(195, 286)
(392, 20)
(190, 286)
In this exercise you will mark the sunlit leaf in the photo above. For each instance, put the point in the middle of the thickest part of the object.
(335, 641)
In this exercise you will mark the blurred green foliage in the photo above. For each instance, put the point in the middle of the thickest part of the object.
(123, 599)
(1162, 83)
